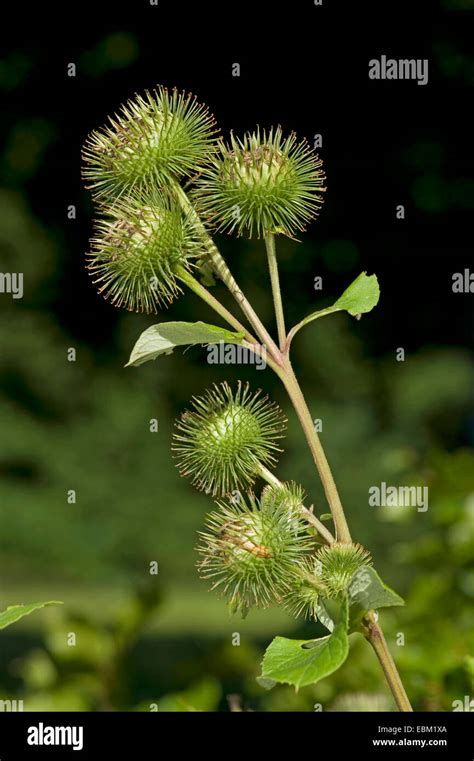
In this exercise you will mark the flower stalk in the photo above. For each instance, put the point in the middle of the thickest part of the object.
(149, 240)
(374, 634)
(330, 489)
(250, 342)
(276, 291)
(223, 272)
(283, 368)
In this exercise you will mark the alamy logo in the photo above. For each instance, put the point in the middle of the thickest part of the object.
(404, 68)
(399, 496)
(9, 706)
(45, 735)
(233, 354)
(463, 282)
(12, 282)
(464, 705)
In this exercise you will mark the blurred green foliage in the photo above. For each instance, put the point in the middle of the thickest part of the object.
(116, 51)
(168, 644)
(84, 425)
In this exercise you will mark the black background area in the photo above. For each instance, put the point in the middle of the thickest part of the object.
(305, 67)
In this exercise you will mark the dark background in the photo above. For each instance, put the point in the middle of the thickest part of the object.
(84, 425)
(304, 67)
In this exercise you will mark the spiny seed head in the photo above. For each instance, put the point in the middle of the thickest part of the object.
(306, 587)
(223, 440)
(138, 247)
(262, 183)
(290, 494)
(155, 138)
(338, 564)
(249, 551)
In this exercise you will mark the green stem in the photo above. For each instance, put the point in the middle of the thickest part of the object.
(276, 290)
(321, 528)
(301, 408)
(222, 271)
(310, 318)
(269, 477)
(214, 303)
(282, 366)
(372, 631)
(307, 514)
(250, 342)
(374, 634)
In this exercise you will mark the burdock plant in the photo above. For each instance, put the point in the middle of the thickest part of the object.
(163, 180)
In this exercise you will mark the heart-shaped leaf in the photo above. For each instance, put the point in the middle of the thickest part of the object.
(302, 662)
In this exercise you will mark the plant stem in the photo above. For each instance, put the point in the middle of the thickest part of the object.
(222, 271)
(281, 364)
(321, 528)
(214, 303)
(373, 631)
(276, 290)
(299, 403)
(374, 634)
(269, 477)
(250, 342)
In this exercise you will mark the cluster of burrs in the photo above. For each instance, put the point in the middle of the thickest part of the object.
(144, 240)
(256, 551)
(162, 178)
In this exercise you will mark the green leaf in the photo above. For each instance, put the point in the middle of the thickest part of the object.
(15, 612)
(360, 297)
(162, 339)
(302, 662)
(367, 592)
